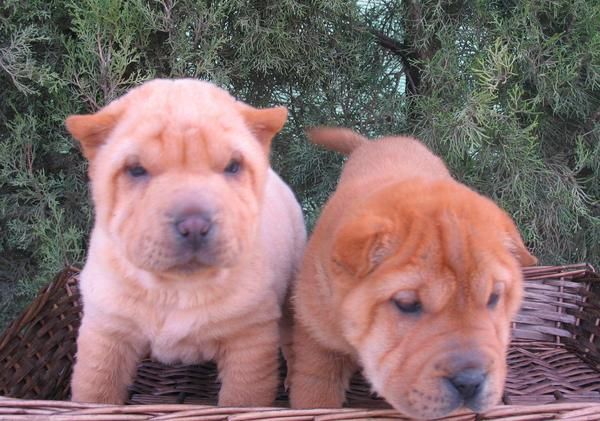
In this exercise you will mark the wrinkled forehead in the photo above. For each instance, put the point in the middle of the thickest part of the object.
(181, 144)
(185, 97)
(181, 104)
(441, 286)
(181, 127)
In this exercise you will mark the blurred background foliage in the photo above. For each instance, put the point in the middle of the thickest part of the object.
(506, 91)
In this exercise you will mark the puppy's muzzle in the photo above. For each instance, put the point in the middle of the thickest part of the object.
(468, 384)
(467, 379)
(196, 237)
(193, 229)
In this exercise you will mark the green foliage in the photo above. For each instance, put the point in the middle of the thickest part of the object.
(62, 57)
(510, 97)
(507, 92)
(43, 208)
(108, 56)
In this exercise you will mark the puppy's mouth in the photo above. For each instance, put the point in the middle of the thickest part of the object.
(189, 262)
(175, 254)
(189, 267)
(469, 390)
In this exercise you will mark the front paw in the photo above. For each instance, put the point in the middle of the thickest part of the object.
(82, 391)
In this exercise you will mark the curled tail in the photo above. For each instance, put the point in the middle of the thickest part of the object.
(344, 141)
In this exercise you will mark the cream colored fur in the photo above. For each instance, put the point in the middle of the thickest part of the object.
(139, 298)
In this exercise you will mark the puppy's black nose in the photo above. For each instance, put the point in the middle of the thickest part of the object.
(468, 383)
(193, 228)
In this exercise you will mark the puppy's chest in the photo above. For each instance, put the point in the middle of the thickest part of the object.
(182, 337)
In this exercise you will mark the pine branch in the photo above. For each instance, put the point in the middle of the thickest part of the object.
(401, 50)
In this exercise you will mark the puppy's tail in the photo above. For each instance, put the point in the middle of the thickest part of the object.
(344, 141)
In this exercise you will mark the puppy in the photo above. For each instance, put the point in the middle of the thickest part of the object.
(411, 277)
(194, 242)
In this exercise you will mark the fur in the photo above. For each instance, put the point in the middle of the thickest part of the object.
(400, 232)
(147, 293)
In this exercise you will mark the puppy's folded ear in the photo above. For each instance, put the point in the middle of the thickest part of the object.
(265, 123)
(91, 130)
(516, 246)
(362, 244)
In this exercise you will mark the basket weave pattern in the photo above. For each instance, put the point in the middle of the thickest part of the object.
(554, 364)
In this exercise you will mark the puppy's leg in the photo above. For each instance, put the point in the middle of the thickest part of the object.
(249, 367)
(105, 364)
(318, 377)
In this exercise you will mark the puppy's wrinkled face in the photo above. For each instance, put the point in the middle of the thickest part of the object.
(177, 171)
(431, 283)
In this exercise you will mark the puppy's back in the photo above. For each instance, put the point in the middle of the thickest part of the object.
(389, 159)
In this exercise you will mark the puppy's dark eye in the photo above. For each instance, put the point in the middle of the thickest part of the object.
(493, 301)
(137, 171)
(233, 167)
(410, 307)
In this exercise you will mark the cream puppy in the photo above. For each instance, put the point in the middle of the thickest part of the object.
(194, 243)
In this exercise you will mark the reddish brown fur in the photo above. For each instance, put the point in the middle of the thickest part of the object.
(398, 225)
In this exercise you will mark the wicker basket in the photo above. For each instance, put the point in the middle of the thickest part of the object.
(554, 364)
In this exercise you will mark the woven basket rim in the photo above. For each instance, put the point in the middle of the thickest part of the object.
(74, 410)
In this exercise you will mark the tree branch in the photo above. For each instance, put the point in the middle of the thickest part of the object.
(399, 49)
